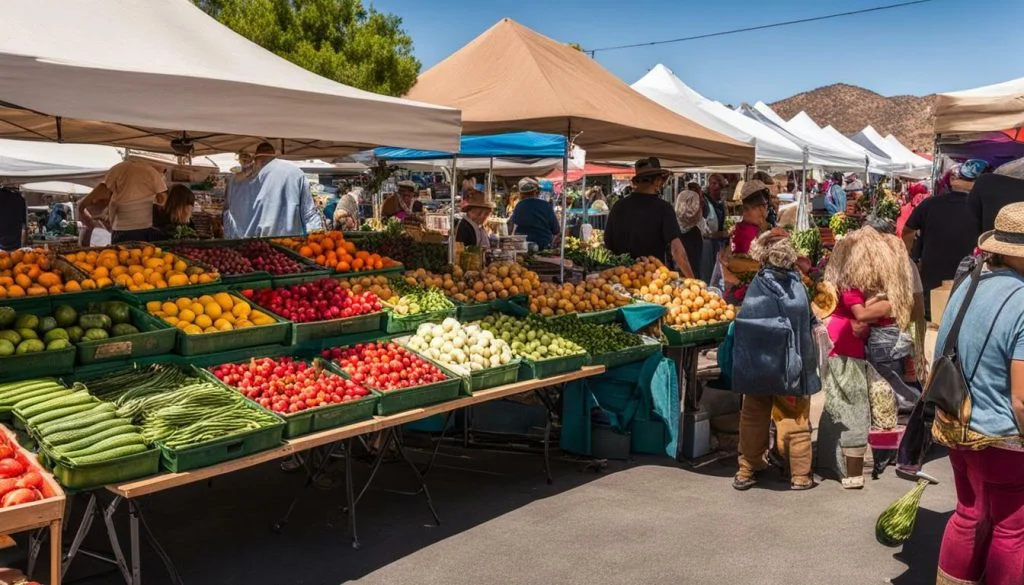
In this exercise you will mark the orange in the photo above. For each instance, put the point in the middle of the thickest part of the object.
(23, 280)
(343, 266)
(155, 306)
(180, 266)
(49, 279)
(155, 278)
(133, 269)
(6, 281)
(15, 291)
(317, 250)
(138, 278)
(184, 303)
(306, 251)
(206, 278)
(56, 289)
(357, 264)
(171, 320)
(36, 291)
(167, 307)
(72, 286)
(177, 279)
(321, 260)
(124, 280)
(350, 247)
(89, 284)
(3, 293)
(327, 244)
(100, 272)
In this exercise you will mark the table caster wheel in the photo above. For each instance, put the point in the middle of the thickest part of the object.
(277, 527)
(357, 545)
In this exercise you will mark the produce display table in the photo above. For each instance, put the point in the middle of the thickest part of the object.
(131, 491)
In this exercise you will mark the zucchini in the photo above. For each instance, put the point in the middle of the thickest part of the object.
(24, 403)
(109, 455)
(60, 413)
(105, 411)
(60, 402)
(65, 437)
(123, 428)
(106, 445)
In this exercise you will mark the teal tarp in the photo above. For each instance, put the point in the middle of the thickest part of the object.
(642, 391)
(639, 315)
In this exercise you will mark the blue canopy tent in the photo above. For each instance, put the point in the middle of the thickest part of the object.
(518, 145)
(512, 145)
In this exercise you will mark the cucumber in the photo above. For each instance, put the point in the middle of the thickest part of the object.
(109, 455)
(57, 403)
(19, 388)
(22, 404)
(98, 414)
(61, 413)
(14, 399)
(107, 445)
(65, 437)
(86, 442)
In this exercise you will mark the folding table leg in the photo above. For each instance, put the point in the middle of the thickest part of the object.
(115, 544)
(545, 398)
(437, 445)
(350, 494)
(83, 530)
(312, 471)
(416, 473)
(35, 544)
(137, 519)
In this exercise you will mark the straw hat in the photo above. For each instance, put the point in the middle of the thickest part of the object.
(407, 185)
(528, 185)
(1008, 237)
(474, 198)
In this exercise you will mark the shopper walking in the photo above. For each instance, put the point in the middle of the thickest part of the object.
(773, 330)
(985, 536)
(534, 217)
(716, 237)
(689, 213)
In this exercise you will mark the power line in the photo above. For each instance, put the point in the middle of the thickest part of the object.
(761, 27)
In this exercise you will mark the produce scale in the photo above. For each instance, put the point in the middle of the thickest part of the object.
(134, 369)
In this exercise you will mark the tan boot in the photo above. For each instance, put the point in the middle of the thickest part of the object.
(942, 578)
(854, 479)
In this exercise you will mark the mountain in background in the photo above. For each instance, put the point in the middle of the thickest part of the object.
(849, 109)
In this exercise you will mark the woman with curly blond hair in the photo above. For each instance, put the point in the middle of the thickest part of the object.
(871, 276)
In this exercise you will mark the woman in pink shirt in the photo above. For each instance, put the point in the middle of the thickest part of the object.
(873, 284)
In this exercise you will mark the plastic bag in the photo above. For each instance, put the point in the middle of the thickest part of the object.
(824, 344)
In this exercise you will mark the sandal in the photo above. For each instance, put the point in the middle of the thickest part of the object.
(741, 483)
(853, 483)
(801, 483)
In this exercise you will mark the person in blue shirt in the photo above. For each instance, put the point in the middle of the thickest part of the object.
(835, 196)
(269, 198)
(533, 217)
(984, 536)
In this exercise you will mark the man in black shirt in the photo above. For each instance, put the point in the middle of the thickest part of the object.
(12, 219)
(943, 224)
(991, 193)
(644, 224)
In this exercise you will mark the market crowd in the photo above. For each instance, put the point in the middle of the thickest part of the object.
(851, 323)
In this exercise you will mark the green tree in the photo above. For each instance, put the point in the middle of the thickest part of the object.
(338, 39)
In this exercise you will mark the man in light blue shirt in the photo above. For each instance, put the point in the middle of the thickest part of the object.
(270, 199)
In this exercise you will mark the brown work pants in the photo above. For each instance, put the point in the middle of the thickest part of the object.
(793, 433)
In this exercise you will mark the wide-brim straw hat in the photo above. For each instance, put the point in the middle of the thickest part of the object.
(650, 166)
(752, 188)
(1008, 237)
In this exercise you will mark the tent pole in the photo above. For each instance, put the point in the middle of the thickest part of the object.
(802, 210)
(935, 163)
(867, 183)
(451, 212)
(490, 180)
(565, 211)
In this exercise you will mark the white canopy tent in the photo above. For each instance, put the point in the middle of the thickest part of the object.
(871, 140)
(56, 188)
(820, 153)
(143, 77)
(869, 162)
(771, 148)
(915, 159)
(878, 164)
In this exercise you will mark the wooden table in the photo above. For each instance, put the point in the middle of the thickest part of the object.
(130, 491)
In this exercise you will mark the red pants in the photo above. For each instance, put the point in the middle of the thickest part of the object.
(985, 536)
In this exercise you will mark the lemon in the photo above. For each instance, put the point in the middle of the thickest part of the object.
(169, 308)
(182, 325)
(241, 309)
(192, 330)
(212, 309)
(153, 306)
(223, 325)
(187, 316)
(197, 308)
(203, 321)
(205, 299)
(224, 300)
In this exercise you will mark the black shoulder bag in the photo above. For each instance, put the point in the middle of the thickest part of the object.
(947, 387)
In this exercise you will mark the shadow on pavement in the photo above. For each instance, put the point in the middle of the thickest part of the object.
(921, 552)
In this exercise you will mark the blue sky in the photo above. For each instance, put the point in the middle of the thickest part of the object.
(946, 45)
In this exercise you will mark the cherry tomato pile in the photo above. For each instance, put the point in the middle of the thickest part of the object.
(19, 482)
(385, 366)
(319, 300)
(287, 386)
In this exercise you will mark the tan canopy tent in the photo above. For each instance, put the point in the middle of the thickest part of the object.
(992, 108)
(144, 74)
(511, 78)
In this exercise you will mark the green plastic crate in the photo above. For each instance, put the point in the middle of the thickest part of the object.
(98, 475)
(531, 370)
(152, 339)
(626, 356)
(706, 334)
(395, 401)
(323, 417)
(303, 332)
(602, 317)
(36, 365)
(494, 377)
(221, 450)
(411, 323)
(203, 343)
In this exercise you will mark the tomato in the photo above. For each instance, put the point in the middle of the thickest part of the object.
(20, 496)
